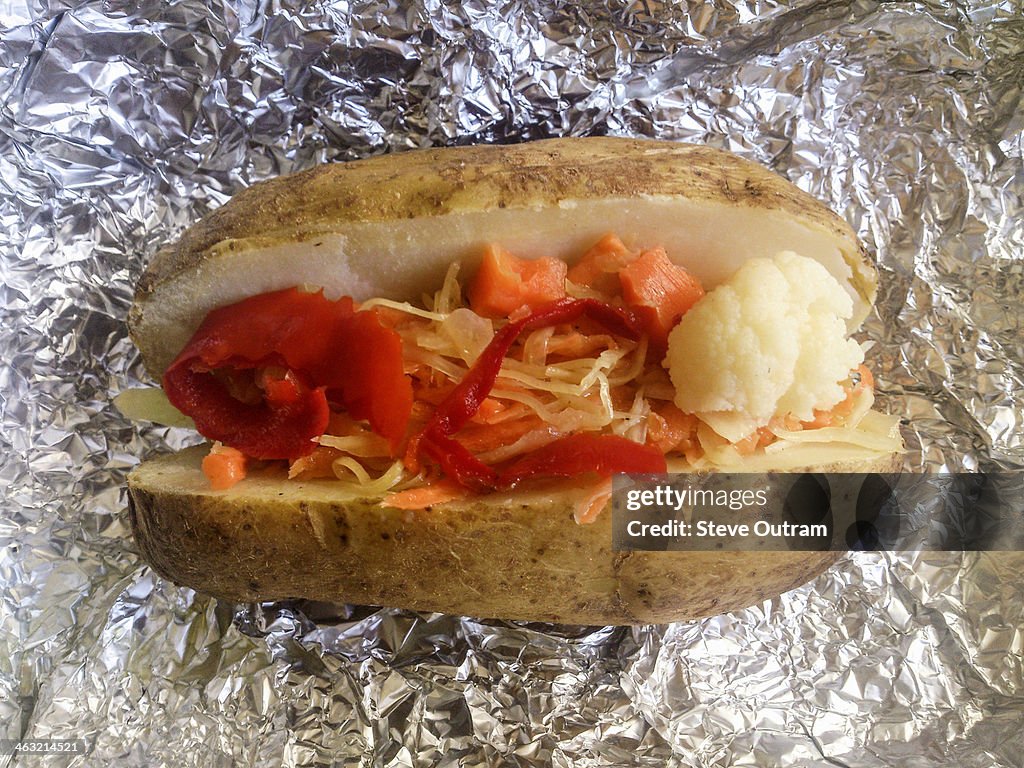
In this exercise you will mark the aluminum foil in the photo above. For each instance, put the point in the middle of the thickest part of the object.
(121, 123)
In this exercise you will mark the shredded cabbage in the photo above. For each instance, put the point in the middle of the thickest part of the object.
(365, 485)
(589, 416)
(449, 297)
(453, 371)
(569, 396)
(636, 367)
(368, 445)
(402, 306)
(632, 424)
(605, 362)
(559, 378)
(875, 433)
(535, 348)
(863, 400)
(466, 333)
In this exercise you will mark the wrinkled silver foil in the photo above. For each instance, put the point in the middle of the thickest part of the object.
(120, 124)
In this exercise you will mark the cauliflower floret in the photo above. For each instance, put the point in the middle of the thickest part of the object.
(769, 342)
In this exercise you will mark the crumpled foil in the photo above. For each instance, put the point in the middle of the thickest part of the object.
(122, 123)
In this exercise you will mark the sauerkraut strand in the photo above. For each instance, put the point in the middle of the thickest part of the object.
(355, 478)
(449, 297)
(366, 445)
(402, 306)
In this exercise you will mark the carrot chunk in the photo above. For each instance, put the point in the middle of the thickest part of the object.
(224, 467)
(599, 267)
(505, 283)
(660, 291)
(669, 429)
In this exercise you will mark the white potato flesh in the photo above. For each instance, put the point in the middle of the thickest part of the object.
(403, 259)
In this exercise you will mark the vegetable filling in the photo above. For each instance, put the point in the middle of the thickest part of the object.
(535, 371)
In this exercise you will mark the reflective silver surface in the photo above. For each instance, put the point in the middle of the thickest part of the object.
(121, 124)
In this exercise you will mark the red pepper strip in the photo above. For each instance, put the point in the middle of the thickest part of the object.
(458, 463)
(576, 454)
(464, 400)
(332, 351)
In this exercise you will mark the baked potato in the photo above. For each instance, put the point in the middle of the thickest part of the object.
(391, 227)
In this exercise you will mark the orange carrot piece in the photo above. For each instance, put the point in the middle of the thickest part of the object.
(427, 495)
(509, 411)
(669, 429)
(599, 267)
(505, 283)
(224, 467)
(575, 345)
(821, 419)
(754, 440)
(433, 394)
(490, 408)
(843, 408)
(660, 290)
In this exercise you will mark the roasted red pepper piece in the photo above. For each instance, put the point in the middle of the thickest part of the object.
(458, 463)
(597, 453)
(277, 428)
(331, 352)
(573, 455)
(362, 368)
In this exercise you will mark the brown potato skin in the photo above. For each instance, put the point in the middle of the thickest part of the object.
(519, 557)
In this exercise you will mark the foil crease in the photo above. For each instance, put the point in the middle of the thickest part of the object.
(120, 124)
